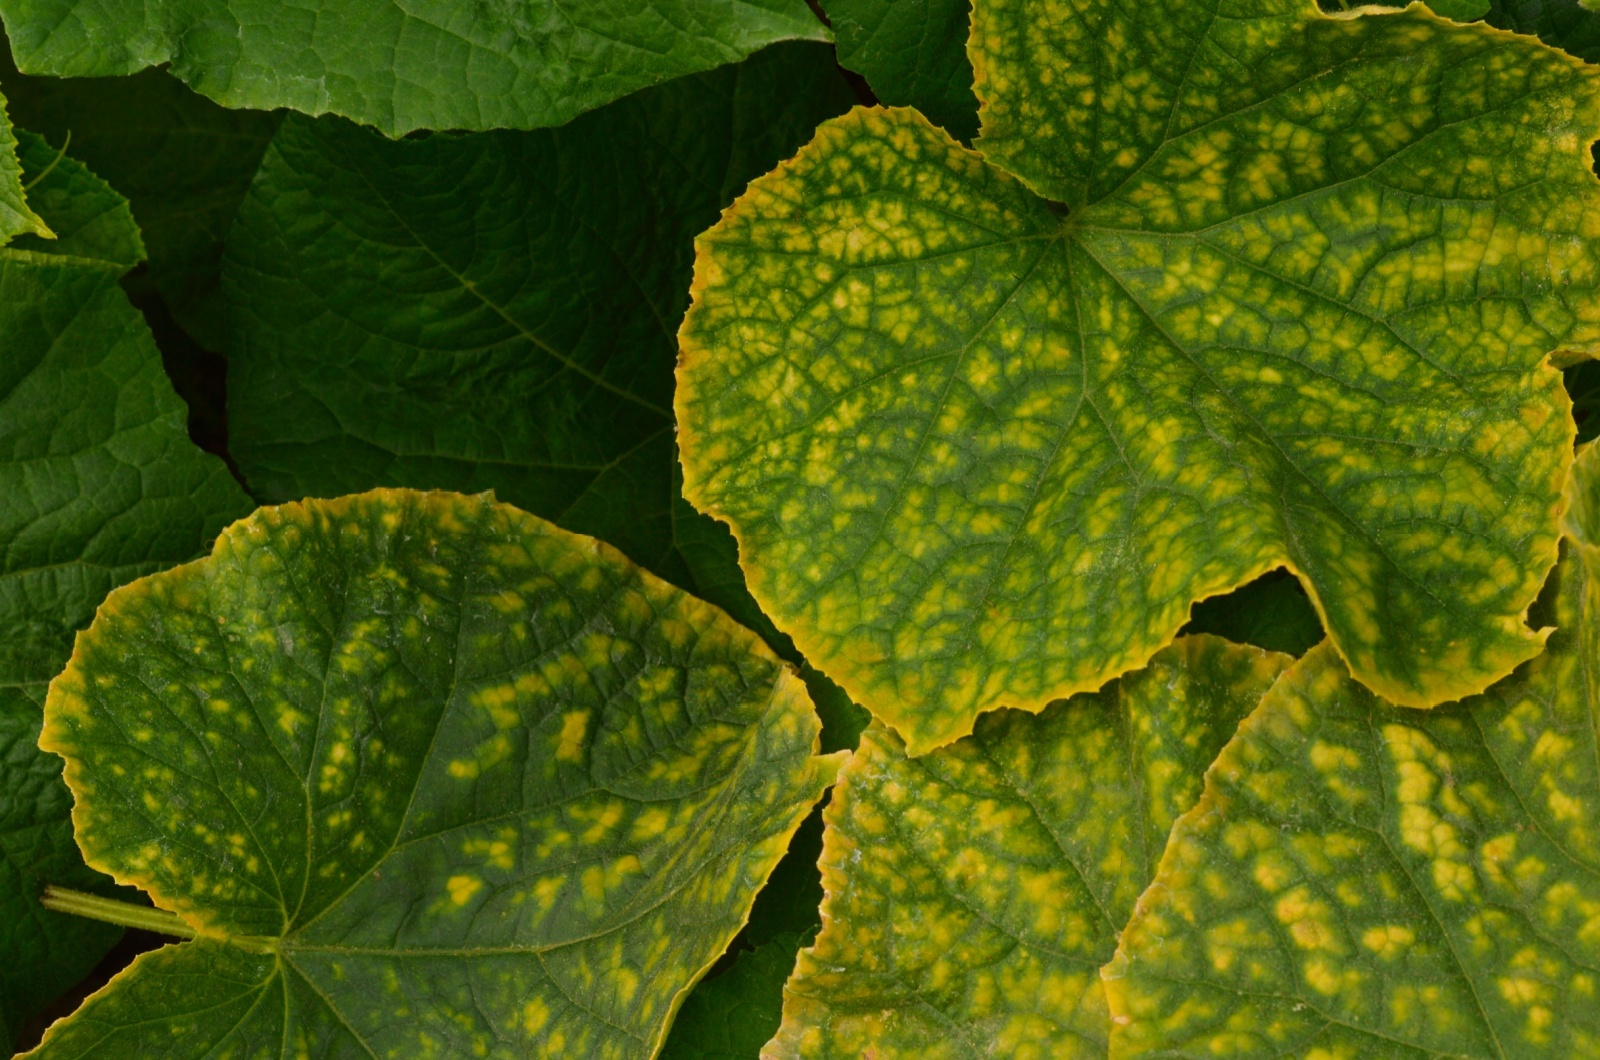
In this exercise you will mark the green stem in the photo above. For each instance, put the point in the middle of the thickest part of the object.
(114, 912)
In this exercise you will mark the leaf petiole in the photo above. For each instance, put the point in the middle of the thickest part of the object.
(111, 911)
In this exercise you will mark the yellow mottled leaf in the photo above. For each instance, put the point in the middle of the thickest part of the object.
(429, 777)
(1359, 879)
(1221, 289)
(973, 892)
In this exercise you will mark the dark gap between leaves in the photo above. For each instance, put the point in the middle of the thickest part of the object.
(199, 375)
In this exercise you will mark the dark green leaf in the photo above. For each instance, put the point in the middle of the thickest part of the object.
(498, 311)
(41, 953)
(431, 778)
(913, 53)
(182, 161)
(732, 1016)
(789, 903)
(1460, 10)
(1272, 612)
(842, 720)
(1583, 386)
(1564, 24)
(98, 485)
(426, 64)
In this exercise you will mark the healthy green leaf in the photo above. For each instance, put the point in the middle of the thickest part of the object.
(913, 53)
(1460, 10)
(430, 777)
(731, 1017)
(1275, 289)
(1563, 24)
(789, 904)
(402, 66)
(41, 953)
(182, 162)
(973, 892)
(498, 311)
(1364, 880)
(98, 485)
(16, 217)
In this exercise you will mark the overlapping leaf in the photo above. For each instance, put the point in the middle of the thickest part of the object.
(98, 485)
(182, 162)
(430, 777)
(1274, 288)
(1271, 612)
(731, 1017)
(973, 893)
(912, 53)
(1364, 880)
(404, 66)
(1564, 24)
(498, 311)
(16, 217)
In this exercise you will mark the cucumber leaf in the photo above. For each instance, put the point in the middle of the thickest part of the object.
(44, 952)
(16, 217)
(404, 66)
(1271, 612)
(973, 892)
(913, 53)
(1564, 24)
(99, 485)
(732, 1016)
(429, 776)
(498, 311)
(1460, 10)
(1213, 295)
(182, 161)
(1360, 879)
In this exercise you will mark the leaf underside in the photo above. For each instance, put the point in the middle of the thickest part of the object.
(404, 66)
(1267, 289)
(1366, 880)
(973, 893)
(431, 777)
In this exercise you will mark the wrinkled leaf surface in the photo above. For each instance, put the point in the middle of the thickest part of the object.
(430, 777)
(972, 893)
(1364, 880)
(401, 66)
(913, 53)
(182, 162)
(498, 311)
(1220, 291)
(99, 485)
